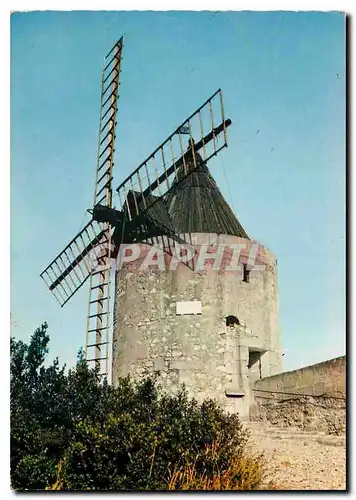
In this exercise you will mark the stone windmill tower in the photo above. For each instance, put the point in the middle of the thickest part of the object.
(213, 325)
(194, 298)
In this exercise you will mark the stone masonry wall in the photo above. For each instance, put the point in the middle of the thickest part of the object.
(198, 350)
(328, 377)
(321, 405)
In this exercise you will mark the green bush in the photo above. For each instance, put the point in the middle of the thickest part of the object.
(68, 430)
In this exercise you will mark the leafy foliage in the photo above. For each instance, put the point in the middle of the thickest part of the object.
(69, 432)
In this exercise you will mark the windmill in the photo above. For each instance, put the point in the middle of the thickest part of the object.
(142, 214)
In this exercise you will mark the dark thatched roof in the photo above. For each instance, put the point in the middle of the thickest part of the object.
(193, 205)
(196, 204)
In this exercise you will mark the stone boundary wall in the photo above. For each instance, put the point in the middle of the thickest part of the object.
(312, 398)
(326, 378)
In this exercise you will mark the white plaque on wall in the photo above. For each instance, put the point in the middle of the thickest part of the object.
(188, 307)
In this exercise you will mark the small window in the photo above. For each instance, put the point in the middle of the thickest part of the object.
(246, 274)
(254, 363)
(232, 321)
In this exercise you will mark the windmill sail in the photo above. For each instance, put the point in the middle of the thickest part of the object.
(155, 175)
(108, 110)
(72, 267)
(143, 195)
(98, 320)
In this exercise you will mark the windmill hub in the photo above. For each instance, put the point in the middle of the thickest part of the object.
(102, 213)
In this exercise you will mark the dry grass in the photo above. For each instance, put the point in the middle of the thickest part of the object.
(59, 483)
(244, 472)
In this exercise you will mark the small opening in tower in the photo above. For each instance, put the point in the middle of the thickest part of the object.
(232, 320)
(255, 363)
(246, 274)
(253, 358)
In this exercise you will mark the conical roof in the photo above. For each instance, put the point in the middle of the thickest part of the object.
(196, 204)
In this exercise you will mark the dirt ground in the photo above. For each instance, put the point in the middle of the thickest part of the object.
(298, 460)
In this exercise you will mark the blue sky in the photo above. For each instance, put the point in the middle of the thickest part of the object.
(281, 73)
